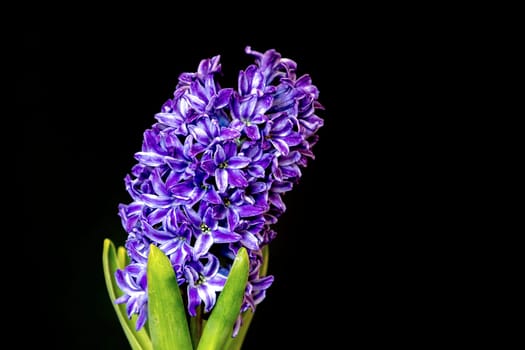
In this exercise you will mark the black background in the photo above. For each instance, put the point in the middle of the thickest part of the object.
(90, 83)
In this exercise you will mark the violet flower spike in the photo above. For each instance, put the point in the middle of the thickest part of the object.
(210, 179)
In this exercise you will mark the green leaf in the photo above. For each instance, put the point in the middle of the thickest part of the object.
(236, 343)
(247, 316)
(219, 326)
(168, 325)
(138, 340)
(266, 258)
(123, 258)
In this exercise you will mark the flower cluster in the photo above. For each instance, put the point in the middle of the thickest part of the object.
(211, 175)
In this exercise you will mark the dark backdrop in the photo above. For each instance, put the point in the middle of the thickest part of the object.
(90, 84)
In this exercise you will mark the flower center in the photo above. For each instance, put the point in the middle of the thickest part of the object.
(223, 165)
(201, 280)
(205, 228)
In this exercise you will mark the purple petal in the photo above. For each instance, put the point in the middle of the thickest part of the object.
(243, 83)
(276, 200)
(312, 123)
(219, 156)
(258, 187)
(158, 185)
(193, 216)
(221, 178)
(219, 212)
(176, 164)
(291, 171)
(258, 119)
(207, 295)
(200, 135)
(217, 282)
(209, 166)
(252, 131)
(263, 104)
(150, 158)
(247, 106)
(236, 106)
(281, 126)
(281, 187)
(236, 178)
(141, 320)
(202, 245)
(193, 300)
(250, 210)
(293, 139)
(171, 246)
(263, 283)
(183, 190)
(211, 267)
(238, 162)
(122, 299)
(223, 235)
(157, 215)
(198, 103)
(232, 218)
(230, 149)
(250, 241)
(291, 158)
(256, 170)
(208, 219)
(212, 196)
(156, 201)
(237, 124)
(170, 119)
(229, 133)
(280, 145)
(156, 235)
(223, 98)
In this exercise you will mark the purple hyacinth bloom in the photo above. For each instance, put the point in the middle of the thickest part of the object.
(132, 281)
(248, 113)
(204, 280)
(279, 133)
(226, 165)
(211, 176)
(208, 230)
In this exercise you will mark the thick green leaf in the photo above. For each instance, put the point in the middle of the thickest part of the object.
(247, 316)
(236, 343)
(219, 326)
(168, 325)
(123, 258)
(138, 340)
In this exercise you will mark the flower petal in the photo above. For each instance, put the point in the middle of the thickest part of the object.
(221, 179)
(223, 98)
(236, 178)
(250, 210)
(193, 300)
(238, 162)
(250, 241)
(202, 245)
(208, 296)
(223, 235)
(253, 132)
(280, 145)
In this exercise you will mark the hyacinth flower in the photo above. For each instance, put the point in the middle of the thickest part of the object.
(206, 192)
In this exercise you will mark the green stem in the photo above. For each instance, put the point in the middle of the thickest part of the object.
(196, 327)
